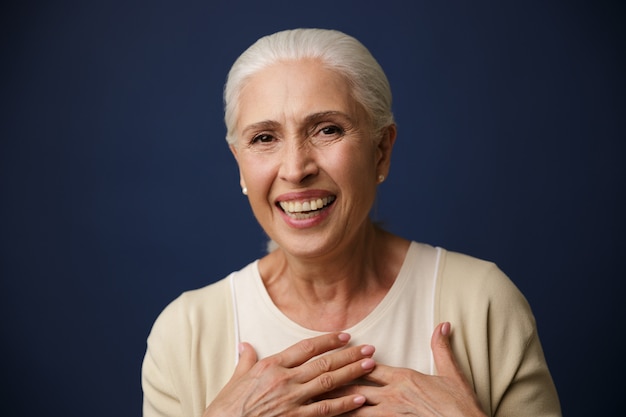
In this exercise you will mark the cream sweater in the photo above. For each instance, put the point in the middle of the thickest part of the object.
(191, 350)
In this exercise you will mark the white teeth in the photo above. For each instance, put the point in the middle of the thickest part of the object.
(305, 206)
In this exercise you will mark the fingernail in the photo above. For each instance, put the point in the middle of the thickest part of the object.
(344, 337)
(360, 400)
(445, 329)
(368, 364)
(240, 348)
(367, 350)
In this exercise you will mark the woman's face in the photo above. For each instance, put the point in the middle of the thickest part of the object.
(307, 157)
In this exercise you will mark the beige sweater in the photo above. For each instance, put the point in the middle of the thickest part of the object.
(191, 348)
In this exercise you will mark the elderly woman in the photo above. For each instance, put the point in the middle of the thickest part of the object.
(341, 316)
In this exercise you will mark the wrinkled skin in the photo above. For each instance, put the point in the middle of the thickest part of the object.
(401, 391)
(295, 382)
(286, 384)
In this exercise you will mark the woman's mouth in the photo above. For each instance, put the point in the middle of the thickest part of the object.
(305, 209)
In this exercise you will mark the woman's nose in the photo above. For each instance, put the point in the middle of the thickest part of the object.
(298, 162)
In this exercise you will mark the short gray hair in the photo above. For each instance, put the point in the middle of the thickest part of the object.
(336, 50)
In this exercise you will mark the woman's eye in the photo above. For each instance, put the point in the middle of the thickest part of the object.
(331, 130)
(263, 138)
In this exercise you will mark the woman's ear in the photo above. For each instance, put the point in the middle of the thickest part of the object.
(383, 152)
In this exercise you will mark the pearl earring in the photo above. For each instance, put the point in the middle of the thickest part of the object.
(244, 190)
(381, 178)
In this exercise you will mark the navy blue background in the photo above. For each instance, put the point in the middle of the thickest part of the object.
(118, 191)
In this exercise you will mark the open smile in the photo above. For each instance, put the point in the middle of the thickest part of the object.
(306, 209)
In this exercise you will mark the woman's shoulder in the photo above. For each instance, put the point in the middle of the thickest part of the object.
(468, 286)
(205, 297)
(457, 269)
(462, 273)
(201, 306)
(186, 312)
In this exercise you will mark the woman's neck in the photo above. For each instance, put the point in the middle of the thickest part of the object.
(336, 291)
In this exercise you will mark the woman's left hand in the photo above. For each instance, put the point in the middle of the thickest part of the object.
(406, 392)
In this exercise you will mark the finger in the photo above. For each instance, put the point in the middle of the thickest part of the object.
(334, 407)
(307, 349)
(247, 358)
(442, 352)
(381, 375)
(333, 361)
(331, 381)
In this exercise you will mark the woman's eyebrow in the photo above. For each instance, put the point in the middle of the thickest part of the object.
(311, 118)
(322, 115)
(262, 125)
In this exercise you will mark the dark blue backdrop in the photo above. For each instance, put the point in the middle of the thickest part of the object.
(118, 191)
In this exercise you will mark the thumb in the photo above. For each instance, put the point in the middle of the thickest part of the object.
(442, 351)
(247, 359)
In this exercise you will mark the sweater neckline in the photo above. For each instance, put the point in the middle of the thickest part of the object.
(379, 311)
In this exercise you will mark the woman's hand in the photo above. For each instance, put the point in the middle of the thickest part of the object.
(406, 392)
(287, 383)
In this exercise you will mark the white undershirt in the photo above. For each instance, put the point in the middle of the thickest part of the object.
(400, 327)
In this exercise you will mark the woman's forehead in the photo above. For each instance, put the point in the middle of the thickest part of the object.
(294, 90)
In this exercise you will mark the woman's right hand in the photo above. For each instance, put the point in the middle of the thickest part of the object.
(288, 383)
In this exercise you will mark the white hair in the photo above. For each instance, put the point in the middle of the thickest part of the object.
(336, 50)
